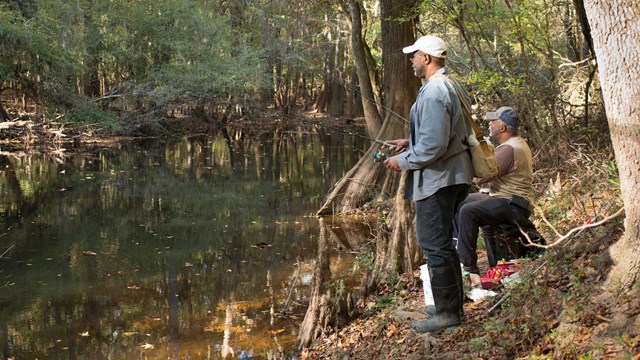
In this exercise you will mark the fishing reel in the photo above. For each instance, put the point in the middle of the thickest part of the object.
(381, 155)
(384, 152)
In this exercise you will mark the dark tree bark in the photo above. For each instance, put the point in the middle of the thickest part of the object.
(584, 25)
(4, 115)
(367, 179)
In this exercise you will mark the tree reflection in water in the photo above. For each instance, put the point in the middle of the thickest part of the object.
(146, 250)
(336, 277)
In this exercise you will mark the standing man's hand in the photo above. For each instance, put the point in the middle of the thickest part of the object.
(392, 163)
(400, 144)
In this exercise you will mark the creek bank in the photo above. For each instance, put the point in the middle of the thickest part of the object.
(40, 135)
(560, 311)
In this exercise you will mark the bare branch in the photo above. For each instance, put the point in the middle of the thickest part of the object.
(562, 238)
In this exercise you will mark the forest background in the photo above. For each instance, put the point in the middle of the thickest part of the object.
(76, 70)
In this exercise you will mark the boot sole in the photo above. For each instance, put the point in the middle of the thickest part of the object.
(444, 329)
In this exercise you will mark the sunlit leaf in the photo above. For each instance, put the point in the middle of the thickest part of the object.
(133, 287)
(276, 332)
(86, 333)
(261, 245)
(147, 346)
(392, 330)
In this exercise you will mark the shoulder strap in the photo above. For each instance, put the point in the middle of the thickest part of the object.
(467, 114)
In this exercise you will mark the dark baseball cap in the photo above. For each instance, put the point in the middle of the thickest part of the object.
(507, 114)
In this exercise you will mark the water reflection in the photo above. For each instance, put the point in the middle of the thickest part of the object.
(193, 249)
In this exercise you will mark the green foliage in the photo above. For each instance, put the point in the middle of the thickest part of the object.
(36, 65)
(480, 345)
(386, 301)
(161, 50)
(383, 221)
(508, 52)
(338, 293)
(157, 54)
(614, 178)
(89, 113)
(364, 260)
(208, 56)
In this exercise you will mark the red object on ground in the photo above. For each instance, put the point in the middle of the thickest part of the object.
(495, 274)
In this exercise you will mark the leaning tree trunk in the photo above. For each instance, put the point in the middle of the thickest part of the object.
(371, 114)
(615, 27)
(368, 180)
(396, 250)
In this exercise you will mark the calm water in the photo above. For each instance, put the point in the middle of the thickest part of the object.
(187, 250)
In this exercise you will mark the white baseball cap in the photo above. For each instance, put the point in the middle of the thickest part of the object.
(428, 44)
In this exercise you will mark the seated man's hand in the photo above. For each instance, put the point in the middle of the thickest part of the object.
(481, 181)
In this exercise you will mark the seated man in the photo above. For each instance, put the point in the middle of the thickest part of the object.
(509, 200)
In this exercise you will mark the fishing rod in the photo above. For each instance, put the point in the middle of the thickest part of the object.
(381, 142)
(590, 221)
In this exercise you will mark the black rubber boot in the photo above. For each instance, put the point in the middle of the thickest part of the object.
(429, 310)
(489, 237)
(458, 269)
(533, 234)
(446, 295)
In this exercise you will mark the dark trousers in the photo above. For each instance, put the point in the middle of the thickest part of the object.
(434, 224)
(479, 209)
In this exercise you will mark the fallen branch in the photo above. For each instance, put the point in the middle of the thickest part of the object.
(575, 232)
(18, 123)
(15, 154)
(561, 237)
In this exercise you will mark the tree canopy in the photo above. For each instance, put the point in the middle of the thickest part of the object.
(89, 58)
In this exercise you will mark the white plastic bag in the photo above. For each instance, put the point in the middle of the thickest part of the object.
(426, 285)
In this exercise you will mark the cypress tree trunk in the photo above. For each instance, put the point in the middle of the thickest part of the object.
(616, 39)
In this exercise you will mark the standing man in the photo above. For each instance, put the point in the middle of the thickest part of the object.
(440, 173)
(510, 197)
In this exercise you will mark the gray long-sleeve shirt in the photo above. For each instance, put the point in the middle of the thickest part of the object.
(437, 155)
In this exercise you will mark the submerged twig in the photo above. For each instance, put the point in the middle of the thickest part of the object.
(6, 251)
(295, 278)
